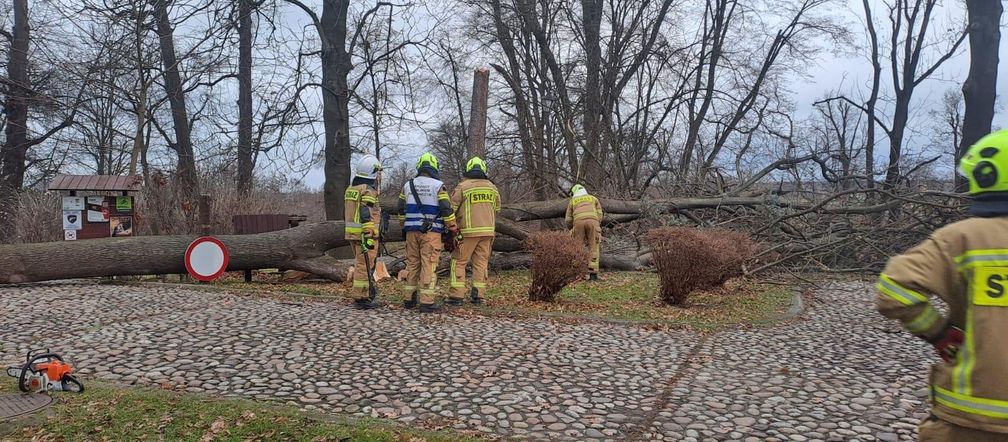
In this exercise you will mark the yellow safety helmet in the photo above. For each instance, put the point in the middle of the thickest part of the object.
(427, 159)
(985, 164)
(476, 163)
(578, 190)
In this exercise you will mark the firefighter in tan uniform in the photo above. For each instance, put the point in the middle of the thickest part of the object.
(361, 217)
(966, 265)
(476, 202)
(584, 218)
(426, 215)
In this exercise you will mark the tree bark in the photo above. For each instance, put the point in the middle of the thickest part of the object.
(187, 177)
(980, 88)
(245, 162)
(301, 248)
(595, 158)
(336, 66)
(143, 86)
(478, 113)
(873, 97)
(15, 148)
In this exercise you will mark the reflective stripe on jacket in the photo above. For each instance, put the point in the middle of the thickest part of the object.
(360, 210)
(434, 205)
(583, 207)
(966, 265)
(476, 203)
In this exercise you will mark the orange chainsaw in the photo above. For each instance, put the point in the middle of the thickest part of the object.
(45, 371)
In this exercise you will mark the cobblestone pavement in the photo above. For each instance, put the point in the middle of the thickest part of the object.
(840, 373)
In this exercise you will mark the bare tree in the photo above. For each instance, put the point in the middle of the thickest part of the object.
(182, 144)
(909, 22)
(980, 88)
(19, 94)
(337, 47)
(245, 161)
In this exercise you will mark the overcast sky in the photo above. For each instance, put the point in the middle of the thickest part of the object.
(831, 71)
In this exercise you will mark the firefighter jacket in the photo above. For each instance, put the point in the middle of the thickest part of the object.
(583, 207)
(433, 208)
(966, 265)
(361, 211)
(476, 203)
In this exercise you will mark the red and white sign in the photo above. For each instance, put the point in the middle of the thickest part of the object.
(206, 259)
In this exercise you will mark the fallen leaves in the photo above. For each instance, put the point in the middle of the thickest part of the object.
(218, 426)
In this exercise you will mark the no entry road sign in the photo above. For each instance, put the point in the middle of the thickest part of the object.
(206, 259)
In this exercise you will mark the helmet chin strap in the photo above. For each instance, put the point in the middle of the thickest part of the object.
(989, 205)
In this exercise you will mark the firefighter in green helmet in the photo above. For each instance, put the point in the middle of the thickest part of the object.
(476, 202)
(966, 265)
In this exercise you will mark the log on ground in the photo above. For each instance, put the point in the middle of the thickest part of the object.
(301, 248)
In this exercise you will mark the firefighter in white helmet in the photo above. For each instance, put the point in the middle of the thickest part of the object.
(361, 217)
(584, 218)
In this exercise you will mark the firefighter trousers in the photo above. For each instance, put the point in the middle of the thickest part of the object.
(360, 276)
(477, 250)
(588, 232)
(422, 253)
(937, 430)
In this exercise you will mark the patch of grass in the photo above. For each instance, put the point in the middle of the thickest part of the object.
(104, 412)
(632, 296)
(620, 296)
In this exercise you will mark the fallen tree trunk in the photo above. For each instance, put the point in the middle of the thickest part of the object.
(301, 248)
(513, 261)
(557, 208)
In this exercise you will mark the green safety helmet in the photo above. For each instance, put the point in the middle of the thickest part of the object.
(985, 164)
(427, 160)
(476, 163)
(578, 190)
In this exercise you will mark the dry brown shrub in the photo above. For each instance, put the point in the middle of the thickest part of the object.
(37, 217)
(689, 259)
(162, 209)
(557, 260)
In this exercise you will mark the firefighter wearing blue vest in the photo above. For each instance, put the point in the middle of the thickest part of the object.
(966, 265)
(426, 214)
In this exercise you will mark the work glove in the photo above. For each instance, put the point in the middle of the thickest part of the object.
(454, 231)
(371, 232)
(368, 243)
(947, 343)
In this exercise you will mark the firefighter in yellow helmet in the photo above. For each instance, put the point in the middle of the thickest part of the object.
(361, 217)
(426, 214)
(584, 218)
(966, 265)
(476, 202)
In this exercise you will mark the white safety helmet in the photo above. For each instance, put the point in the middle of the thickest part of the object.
(368, 167)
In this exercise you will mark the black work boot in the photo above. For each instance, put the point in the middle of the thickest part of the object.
(365, 304)
(429, 308)
(474, 296)
(413, 302)
(593, 276)
(454, 302)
